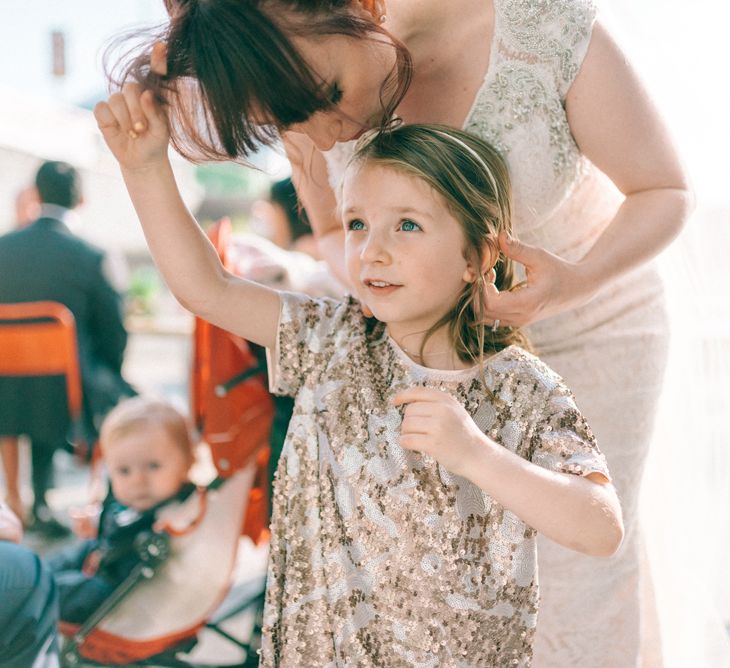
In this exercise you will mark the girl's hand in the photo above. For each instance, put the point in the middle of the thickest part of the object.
(436, 424)
(553, 285)
(134, 127)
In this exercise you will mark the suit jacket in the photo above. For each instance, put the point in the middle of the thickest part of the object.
(46, 261)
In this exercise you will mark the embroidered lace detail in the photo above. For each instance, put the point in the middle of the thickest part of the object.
(537, 50)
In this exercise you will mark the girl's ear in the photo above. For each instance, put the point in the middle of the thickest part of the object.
(490, 255)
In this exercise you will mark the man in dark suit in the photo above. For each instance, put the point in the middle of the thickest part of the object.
(46, 261)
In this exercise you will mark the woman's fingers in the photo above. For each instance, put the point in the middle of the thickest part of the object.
(521, 252)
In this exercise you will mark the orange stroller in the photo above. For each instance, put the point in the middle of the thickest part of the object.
(186, 563)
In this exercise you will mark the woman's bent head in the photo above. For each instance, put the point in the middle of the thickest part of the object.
(239, 72)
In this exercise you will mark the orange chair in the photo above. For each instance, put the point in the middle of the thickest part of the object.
(231, 404)
(39, 339)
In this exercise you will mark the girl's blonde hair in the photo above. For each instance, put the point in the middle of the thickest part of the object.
(474, 182)
(139, 413)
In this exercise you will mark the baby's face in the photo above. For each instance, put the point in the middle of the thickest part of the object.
(146, 466)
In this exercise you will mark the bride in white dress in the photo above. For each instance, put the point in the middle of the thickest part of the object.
(599, 191)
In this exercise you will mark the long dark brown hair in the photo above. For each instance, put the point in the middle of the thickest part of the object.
(231, 63)
(473, 180)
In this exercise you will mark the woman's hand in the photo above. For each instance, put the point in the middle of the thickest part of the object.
(134, 127)
(436, 424)
(553, 285)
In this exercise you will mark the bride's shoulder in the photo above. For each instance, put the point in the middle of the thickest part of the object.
(415, 16)
(545, 13)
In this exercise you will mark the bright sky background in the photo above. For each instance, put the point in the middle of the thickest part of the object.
(25, 41)
(680, 47)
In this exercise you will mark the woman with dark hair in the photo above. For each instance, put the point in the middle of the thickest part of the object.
(599, 191)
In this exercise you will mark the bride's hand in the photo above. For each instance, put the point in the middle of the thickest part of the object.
(553, 285)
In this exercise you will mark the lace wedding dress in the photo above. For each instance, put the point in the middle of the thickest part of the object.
(611, 352)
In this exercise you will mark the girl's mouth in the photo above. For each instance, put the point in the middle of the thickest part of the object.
(377, 287)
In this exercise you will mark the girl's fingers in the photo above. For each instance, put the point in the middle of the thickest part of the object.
(119, 108)
(131, 93)
(413, 394)
(415, 425)
(153, 113)
(106, 120)
(411, 441)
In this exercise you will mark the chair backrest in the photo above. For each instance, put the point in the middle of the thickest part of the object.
(231, 404)
(39, 339)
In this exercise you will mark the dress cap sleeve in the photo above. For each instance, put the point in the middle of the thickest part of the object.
(553, 34)
(309, 334)
(563, 441)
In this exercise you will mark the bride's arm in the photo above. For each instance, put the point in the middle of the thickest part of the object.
(616, 125)
(618, 128)
(309, 175)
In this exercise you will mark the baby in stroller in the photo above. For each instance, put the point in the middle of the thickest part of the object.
(147, 450)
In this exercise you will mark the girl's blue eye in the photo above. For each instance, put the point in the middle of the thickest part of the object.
(154, 466)
(355, 225)
(409, 226)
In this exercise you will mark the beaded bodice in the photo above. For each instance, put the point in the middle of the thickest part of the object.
(561, 201)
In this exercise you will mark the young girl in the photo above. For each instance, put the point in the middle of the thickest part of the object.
(425, 449)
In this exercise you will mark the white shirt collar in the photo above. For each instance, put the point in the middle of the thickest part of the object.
(66, 216)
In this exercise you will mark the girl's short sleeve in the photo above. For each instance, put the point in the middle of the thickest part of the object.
(306, 340)
(563, 441)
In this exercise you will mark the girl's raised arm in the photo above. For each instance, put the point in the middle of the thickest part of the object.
(135, 129)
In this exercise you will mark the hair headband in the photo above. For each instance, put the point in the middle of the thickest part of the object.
(368, 137)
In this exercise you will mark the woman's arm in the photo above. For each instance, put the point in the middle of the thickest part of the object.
(581, 514)
(310, 178)
(616, 125)
(135, 130)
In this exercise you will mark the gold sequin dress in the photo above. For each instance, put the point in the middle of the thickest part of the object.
(611, 352)
(379, 556)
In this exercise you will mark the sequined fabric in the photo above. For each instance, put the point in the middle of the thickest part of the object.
(611, 352)
(380, 557)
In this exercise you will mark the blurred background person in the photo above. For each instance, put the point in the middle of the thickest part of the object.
(284, 221)
(29, 608)
(27, 207)
(45, 261)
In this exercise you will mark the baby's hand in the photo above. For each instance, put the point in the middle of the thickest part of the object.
(134, 127)
(85, 520)
(436, 424)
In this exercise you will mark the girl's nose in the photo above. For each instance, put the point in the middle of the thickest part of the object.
(375, 249)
